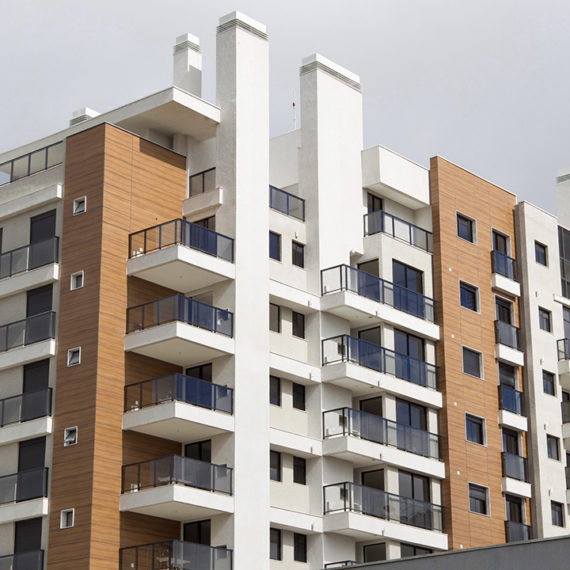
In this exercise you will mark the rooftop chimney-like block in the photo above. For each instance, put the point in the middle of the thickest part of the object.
(82, 115)
(187, 73)
(244, 22)
(319, 62)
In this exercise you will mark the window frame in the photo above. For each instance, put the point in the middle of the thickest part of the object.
(487, 512)
(278, 318)
(63, 517)
(551, 379)
(70, 356)
(560, 506)
(472, 227)
(480, 355)
(545, 316)
(543, 251)
(294, 327)
(552, 439)
(279, 543)
(279, 252)
(273, 378)
(468, 417)
(80, 205)
(299, 470)
(67, 442)
(300, 251)
(475, 291)
(299, 556)
(75, 276)
(278, 467)
(301, 393)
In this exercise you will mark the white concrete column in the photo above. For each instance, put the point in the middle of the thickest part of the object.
(243, 172)
(187, 69)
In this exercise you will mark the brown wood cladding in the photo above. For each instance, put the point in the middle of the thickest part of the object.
(456, 190)
(130, 184)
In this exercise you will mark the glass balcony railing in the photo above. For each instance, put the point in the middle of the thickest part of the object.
(565, 405)
(286, 203)
(179, 308)
(373, 502)
(564, 349)
(181, 232)
(376, 222)
(504, 265)
(181, 388)
(25, 407)
(507, 334)
(514, 466)
(346, 278)
(201, 182)
(24, 485)
(175, 469)
(516, 532)
(355, 423)
(32, 560)
(29, 257)
(31, 163)
(510, 399)
(27, 331)
(346, 348)
(175, 555)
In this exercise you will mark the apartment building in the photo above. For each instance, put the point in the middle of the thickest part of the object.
(220, 350)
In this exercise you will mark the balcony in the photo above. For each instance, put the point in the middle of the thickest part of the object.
(516, 532)
(31, 163)
(511, 408)
(382, 222)
(565, 411)
(23, 495)
(507, 344)
(176, 406)
(515, 475)
(28, 267)
(375, 299)
(25, 416)
(504, 274)
(181, 255)
(564, 362)
(286, 203)
(33, 560)
(180, 330)
(176, 488)
(175, 555)
(353, 435)
(27, 340)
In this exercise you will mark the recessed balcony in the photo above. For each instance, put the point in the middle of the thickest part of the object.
(564, 362)
(508, 344)
(25, 416)
(178, 408)
(504, 274)
(286, 203)
(175, 555)
(177, 488)
(358, 365)
(362, 298)
(31, 163)
(23, 495)
(516, 532)
(27, 340)
(511, 408)
(362, 438)
(366, 513)
(181, 255)
(30, 266)
(180, 330)
(382, 222)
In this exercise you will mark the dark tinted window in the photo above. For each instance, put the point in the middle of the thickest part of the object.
(39, 300)
(540, 253)
(468, 296)
(507, 374)
(275, 390)
(465, 228)
(408, 277)
(274, 318)
(474, 429)
(36, 376)
(557, 513)
(28, 535)
(32, 454)
(275, 466)
(374, 552)
(544, 319)
(298, 396)
(298, 324)
(197, 532)
(203, 372)
(548, 382)
(42, 227)
(274, 544)
(477, 499)
(300, 547)
(552, 447)
(299, 471)
(275, 246)
(200, 450)
(471, 362)
(298, 254)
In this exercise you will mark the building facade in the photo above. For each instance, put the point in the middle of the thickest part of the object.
(220, 350)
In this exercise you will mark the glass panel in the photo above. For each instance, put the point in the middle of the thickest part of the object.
(55, 155)
(20, 167)
(5, 173)
(38, 161)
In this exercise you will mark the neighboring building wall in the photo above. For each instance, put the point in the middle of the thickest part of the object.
(540, 285)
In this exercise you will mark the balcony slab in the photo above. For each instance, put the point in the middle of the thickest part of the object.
(178, 421)
(294, 370)
(31, 509)
(516, 487)
(299, 445)
(26, 354)
(179, 343)
(505, 285)
(29, 279)
(295, 521)
(31, 429)
(510, 355)
(514, 421)
(176, 502)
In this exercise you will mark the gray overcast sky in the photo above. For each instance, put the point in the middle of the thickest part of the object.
(483, 83)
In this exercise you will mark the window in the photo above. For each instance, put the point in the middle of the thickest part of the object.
(298, 254)
(275, 466)
(465, 228)
(408, 277)
(540, 253)
(468, 296)
(80, 205)
(552, 447)
(275, 390)
(564, 253)
(198, 532)
(548, 382)
(299, 471)
(67, 518)
(274, 318)
(202, 372)
(507, 375)
(478, 499)
(500, 243)
(208, 223)
(374, 203)
(199, 450)
(298, 396)
(475, 429)
(69, 436)
(472, 362)
(412, 550)
(544, 319)
(275, 246)
(203, 181)
(557, 513)
(74, 356)
(374, 552)
(299, 547)
(274, 544)
(76, 280)
(298, 324)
